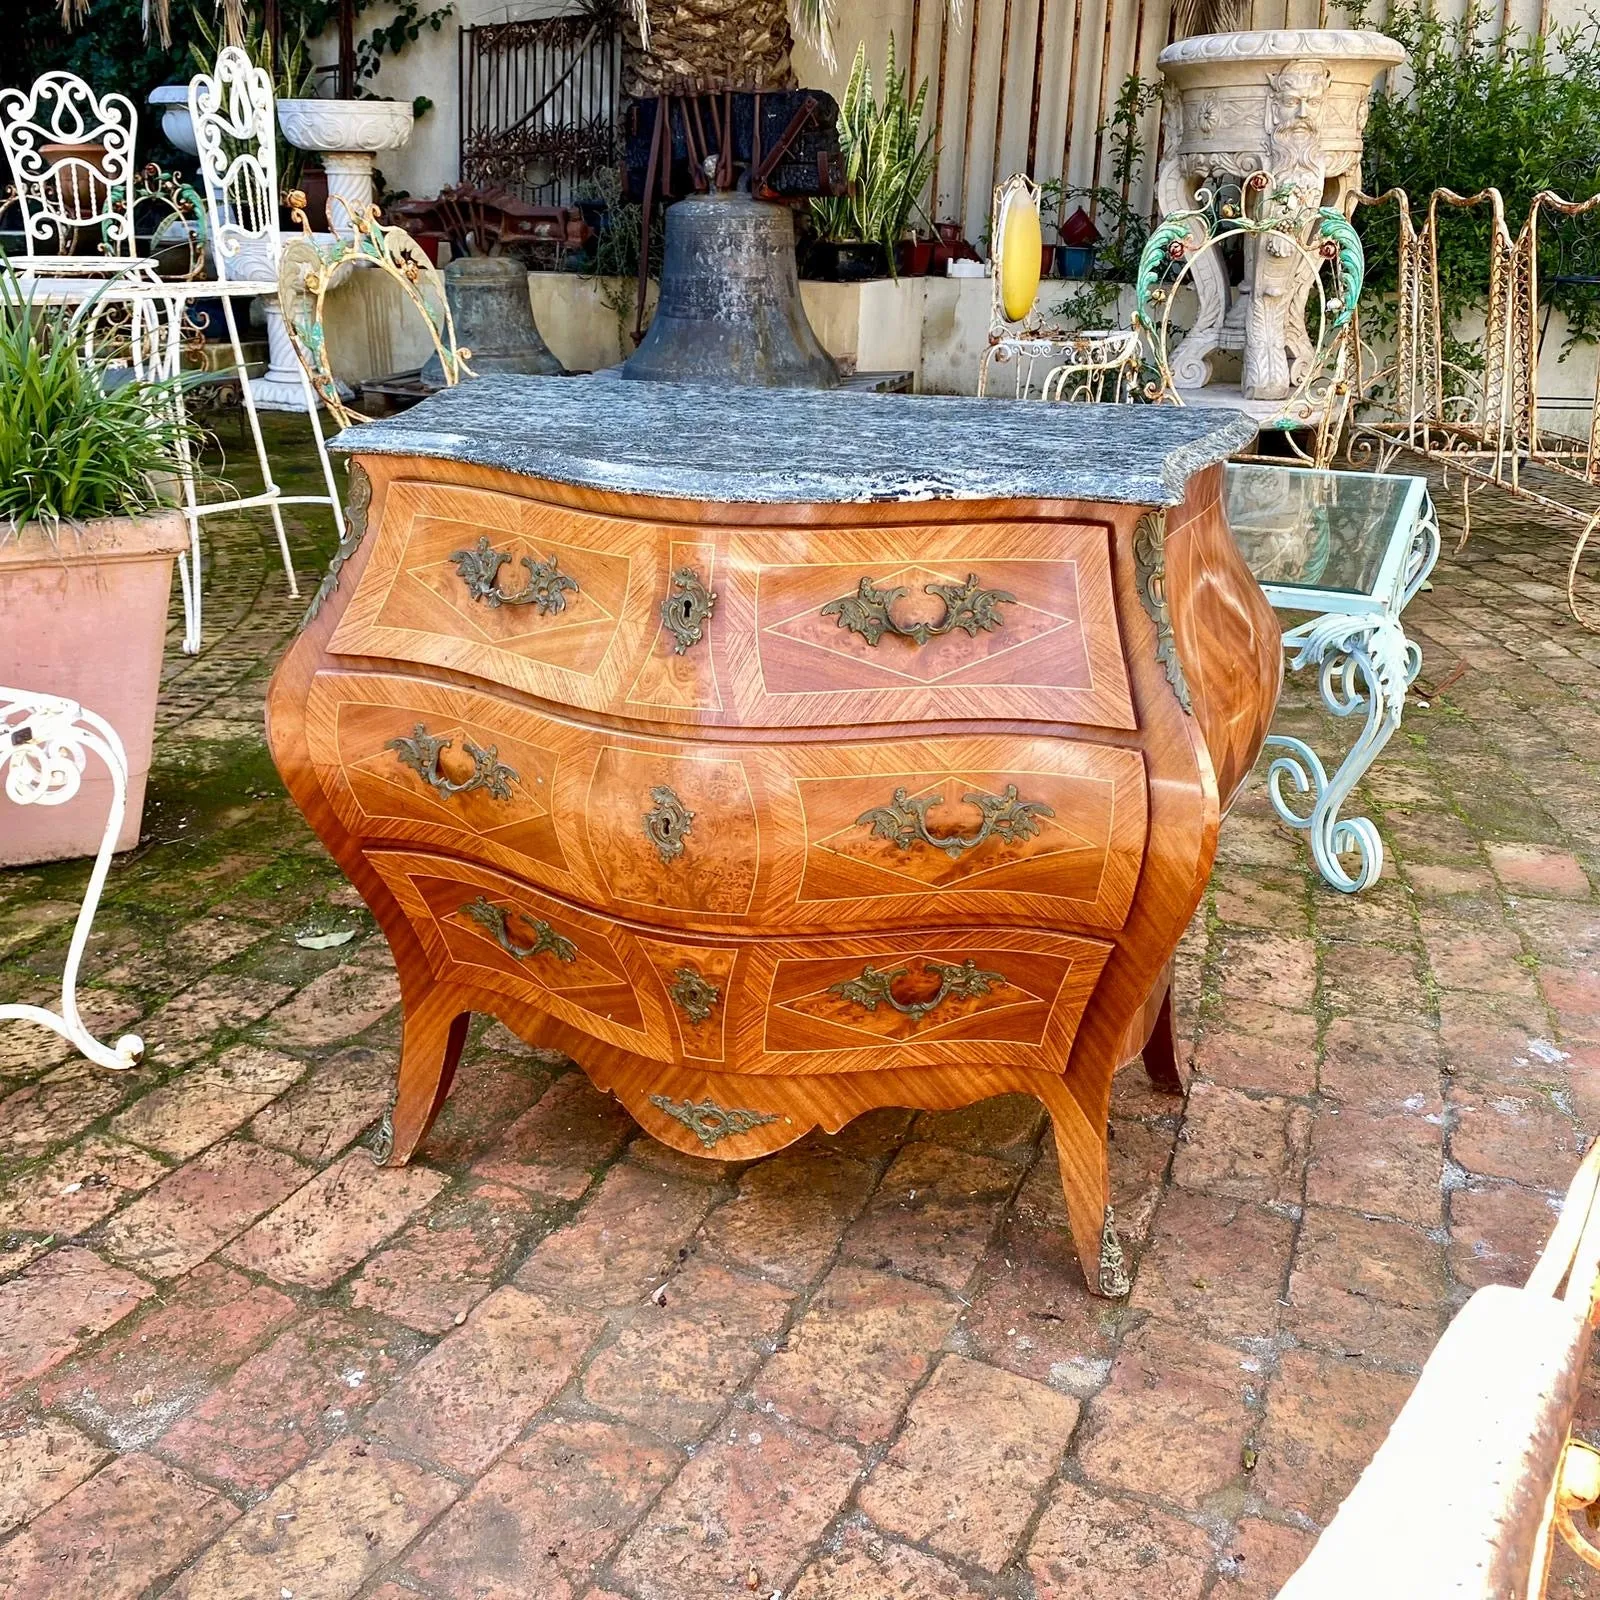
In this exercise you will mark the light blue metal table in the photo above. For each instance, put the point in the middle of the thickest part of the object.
(1347, 551)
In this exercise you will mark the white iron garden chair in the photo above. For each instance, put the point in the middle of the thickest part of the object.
(233, 114)
(1342, 554)
(1046, 361)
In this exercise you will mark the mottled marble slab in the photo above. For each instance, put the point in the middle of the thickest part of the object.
(808, 446)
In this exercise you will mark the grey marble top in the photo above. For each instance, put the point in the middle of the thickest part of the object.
(808, 446)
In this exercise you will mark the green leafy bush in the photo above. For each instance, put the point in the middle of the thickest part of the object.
(1476, 112)
(74, 445)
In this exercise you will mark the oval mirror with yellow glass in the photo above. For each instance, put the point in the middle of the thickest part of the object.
(1018, 245)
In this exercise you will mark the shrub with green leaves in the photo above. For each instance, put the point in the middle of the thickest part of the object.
(1473, 112)
(74, 445)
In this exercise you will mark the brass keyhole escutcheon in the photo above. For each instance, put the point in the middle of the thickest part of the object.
(668, 823)
(694, 993)
(687, 609)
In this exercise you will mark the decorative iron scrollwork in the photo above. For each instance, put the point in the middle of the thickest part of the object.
(545, 938)
(967, 606)
(1150, 558)
(905, 820)
(421, 754)
(708, 1121)
(668, 823)
(875, 987)
(694, 993)
(546, 590)
(687, 609)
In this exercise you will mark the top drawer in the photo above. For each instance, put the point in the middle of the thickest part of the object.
(753, 627)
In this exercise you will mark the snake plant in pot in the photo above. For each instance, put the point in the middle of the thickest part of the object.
(888, 161)
(88, 534)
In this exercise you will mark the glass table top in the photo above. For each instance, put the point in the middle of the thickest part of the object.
(1329, 532)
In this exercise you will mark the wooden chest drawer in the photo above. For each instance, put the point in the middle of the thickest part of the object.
(847, 626)
(891, 832)
(782, 1007)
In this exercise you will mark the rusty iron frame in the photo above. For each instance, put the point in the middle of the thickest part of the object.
(1484, 426)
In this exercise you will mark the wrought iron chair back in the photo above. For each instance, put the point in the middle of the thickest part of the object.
(1046, 360)
(232, 110)
(307, 272)
(71, 157)
(1316, 258)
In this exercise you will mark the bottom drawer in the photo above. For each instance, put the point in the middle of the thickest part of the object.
(925, 997)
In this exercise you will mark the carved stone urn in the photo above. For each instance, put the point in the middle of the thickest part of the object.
(1291, 103)
(346, 134)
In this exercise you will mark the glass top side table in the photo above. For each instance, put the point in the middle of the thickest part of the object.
(1349, 549)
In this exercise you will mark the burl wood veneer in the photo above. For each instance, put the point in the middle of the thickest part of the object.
(772, 796)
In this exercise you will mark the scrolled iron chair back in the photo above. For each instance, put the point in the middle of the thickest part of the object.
(59, 193)
(1331, 265)
(307, 271)
(233, 111)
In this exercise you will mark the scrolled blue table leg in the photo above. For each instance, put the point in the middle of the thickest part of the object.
(1365, 664)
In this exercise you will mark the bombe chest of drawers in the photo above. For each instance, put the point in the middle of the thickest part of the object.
(779, 756)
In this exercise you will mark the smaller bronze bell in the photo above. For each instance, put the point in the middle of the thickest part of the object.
(488, 298)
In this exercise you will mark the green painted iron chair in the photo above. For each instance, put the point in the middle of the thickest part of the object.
(1250, 261)
(308, 271)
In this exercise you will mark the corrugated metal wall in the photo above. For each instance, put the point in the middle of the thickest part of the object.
(1028, 85)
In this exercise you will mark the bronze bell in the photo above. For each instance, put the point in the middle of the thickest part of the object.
(730, 310)
(489, 304)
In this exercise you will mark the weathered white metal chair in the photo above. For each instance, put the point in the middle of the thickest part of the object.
(1291, 251)
(71, 157)
(45, 743)
(308, 270)
(1045, 360)
(233, 114)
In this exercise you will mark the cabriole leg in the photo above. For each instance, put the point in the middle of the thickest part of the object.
(430, 1048)
(1161, 1052)
(1086, 1182)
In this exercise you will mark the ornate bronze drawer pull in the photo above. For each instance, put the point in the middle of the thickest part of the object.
(874, 987)
(668, 822)
(905, 820)
(545, 938)
(967, 606)
(687, 609)
(421, 753)
(546, 590)
(708, 1121)
(694, 993)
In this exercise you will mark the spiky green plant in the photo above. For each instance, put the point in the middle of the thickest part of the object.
(72, 445)
(888, 160)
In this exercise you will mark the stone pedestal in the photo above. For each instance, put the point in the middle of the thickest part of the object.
(346, 133)
(1291, 103)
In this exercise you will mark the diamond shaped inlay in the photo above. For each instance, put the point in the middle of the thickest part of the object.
(1057, 835)
(939, 659)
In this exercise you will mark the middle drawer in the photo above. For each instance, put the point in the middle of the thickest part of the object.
(759, 837)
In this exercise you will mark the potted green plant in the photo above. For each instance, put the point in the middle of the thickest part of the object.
(888, 161)
(88, 534)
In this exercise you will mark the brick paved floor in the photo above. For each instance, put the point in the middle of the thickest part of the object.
(552, 1359)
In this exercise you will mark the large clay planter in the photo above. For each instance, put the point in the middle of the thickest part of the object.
(85, 616)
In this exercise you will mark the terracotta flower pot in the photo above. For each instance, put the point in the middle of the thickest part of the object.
(81, 186)
(86, 618)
